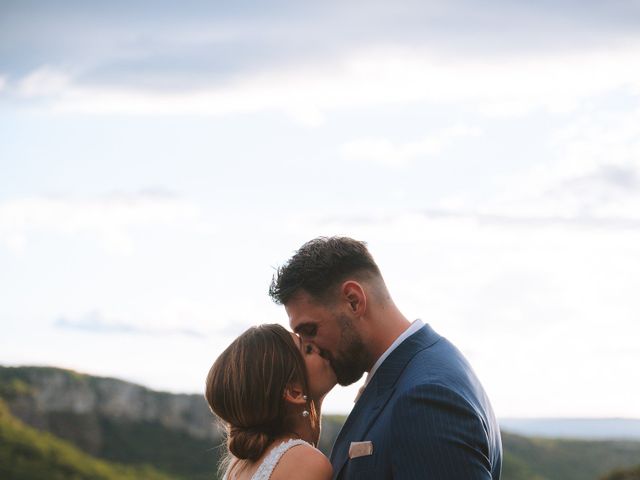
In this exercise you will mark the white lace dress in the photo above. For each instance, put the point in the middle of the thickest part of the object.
(271, 460)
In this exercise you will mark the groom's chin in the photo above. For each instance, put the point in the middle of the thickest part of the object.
(348, 378)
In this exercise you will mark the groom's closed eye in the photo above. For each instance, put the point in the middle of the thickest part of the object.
(306, 330)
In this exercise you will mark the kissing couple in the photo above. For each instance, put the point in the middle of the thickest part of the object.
(421, 414)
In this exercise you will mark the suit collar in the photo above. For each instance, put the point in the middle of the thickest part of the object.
(387, 374)
(413, 328)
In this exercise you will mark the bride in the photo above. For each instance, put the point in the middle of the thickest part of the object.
(268, 387)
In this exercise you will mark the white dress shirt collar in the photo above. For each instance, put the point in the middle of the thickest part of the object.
(413, 328)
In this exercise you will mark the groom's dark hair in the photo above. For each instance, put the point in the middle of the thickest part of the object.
(321, 264)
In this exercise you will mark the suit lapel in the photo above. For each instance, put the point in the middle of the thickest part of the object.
(377, 394)
(357, 424)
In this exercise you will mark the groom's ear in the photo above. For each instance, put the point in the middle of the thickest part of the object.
(294, 394)
(353, 293)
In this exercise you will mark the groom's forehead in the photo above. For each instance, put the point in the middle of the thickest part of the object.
(301, 303)
(300, 319)
(304, 313)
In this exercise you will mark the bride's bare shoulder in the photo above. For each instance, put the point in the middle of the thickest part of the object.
(304, 462)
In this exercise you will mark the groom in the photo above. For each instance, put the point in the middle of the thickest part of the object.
(422, 413)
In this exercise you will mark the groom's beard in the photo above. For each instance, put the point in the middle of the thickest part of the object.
(351, 358)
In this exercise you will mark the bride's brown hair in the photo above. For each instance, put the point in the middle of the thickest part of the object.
(246, 388)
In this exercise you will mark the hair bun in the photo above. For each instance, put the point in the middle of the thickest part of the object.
(247, 443)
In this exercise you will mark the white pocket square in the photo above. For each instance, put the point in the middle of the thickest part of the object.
(360, 449)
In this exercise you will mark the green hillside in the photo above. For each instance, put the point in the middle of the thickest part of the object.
(175, 452)
(630, 474)
(562, 459)
(28, 454)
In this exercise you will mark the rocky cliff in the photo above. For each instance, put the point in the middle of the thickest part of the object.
(78, 407)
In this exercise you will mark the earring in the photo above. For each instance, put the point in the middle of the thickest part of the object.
(305, 413)
(305, 398)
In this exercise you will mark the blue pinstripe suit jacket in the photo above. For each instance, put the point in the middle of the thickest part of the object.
(427, 416)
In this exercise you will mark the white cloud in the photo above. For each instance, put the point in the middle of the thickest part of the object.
(212, 317)
(497, 86)
(385, 152)
(44, 82)
(97, 322)
(109, 218)
(3, 82)
(592, 174)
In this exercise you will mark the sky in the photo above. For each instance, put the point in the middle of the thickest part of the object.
(158, 161)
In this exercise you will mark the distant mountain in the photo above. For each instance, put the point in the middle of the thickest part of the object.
(584, 428)
(121, 422)
(115, 420)
(29, 454)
